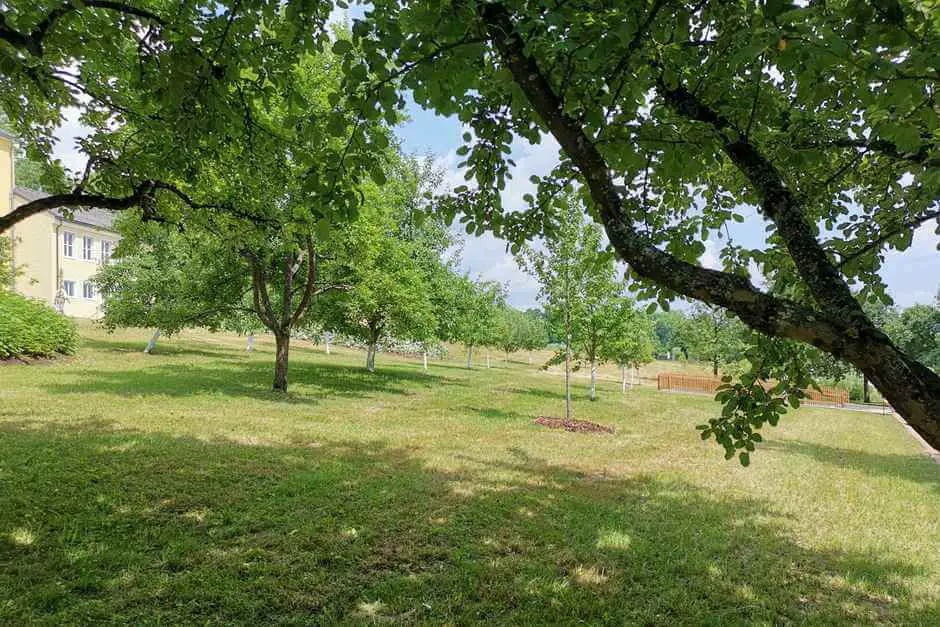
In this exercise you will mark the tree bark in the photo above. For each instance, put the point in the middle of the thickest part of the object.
(593, 380)
(282, 351)
(424, 359)
(866, 397)
(469, 356)
(715, 366)
(370, 358)
(487, 359)
(327, 337)
(251, 343)
(623, 379)
(153, 342)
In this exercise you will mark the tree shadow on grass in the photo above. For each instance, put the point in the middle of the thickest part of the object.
(917, 468)
(309, 383)
(163, 350)
(127, 527)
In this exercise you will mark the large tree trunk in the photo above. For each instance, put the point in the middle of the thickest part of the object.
(593, 380)
(152, 344)
(912, 389)
(370, 358)
(469, 356)
(282, 350)
(866, 397)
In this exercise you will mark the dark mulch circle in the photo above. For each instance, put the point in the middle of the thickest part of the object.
(578, 426)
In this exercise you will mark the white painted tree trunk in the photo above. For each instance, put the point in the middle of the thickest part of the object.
(251, 342)
(487, 360)
(327, 337)
(424, 359)
(568, 376)
(370, 358)
(530, 360)
(153, 342)
(593, 380)
(623, 379)
(469, 357)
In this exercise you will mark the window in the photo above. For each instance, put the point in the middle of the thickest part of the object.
(87, 244)
(68, 287)
(68, 244)
(88, 290)
(105, 251)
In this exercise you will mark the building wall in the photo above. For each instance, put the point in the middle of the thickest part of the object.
(34, 255)
(6, 175)
(79, 270)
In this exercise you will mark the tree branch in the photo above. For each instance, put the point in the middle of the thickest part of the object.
(766, 313)
(777, 203)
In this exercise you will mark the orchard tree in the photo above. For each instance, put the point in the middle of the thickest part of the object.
(671, 115)
(576, 281)
(476, 305)
(390, 260)
(185, 76)
(265, 220)
(629, 342)
(517, 330)
(714, 337)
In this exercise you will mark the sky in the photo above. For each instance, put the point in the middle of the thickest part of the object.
(912, 276)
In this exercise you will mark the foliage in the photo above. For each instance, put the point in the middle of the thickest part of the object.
(629, 339)
(517, 330)
(672, 115)
(29, 328)
(715, 337)
(390, 260)
(475, 306)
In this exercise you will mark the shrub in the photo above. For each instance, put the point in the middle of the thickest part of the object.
(29, 328)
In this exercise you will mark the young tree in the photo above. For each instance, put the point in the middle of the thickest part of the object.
(576, 284)
(629, 342)
(672, 114)
(714, 337)
(517, 330)
(475, 306)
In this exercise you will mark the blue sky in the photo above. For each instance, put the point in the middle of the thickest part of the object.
(912, 276)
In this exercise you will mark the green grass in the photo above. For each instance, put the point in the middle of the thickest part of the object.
(175, 488)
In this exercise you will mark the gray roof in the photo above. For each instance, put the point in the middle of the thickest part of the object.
(6, 135)
(90, 216)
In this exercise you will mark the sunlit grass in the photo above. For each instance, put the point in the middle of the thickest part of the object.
(177, 488)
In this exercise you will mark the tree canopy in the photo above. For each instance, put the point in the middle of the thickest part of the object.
(671, 115)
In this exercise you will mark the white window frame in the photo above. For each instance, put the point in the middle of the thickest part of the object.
(106, 245)
(88, 290)
(88, 246)
(68, 288)
(68, 244)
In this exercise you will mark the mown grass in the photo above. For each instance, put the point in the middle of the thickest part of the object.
(175, 488)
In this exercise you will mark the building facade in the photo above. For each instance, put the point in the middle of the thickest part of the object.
(56, 255)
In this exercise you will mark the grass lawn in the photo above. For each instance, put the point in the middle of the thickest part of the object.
(175, 488)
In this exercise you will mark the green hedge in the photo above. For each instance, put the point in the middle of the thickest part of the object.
(29, 328)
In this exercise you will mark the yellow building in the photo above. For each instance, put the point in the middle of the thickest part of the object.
(56, 256)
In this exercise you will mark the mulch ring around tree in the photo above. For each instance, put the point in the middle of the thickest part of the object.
(577, 426)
